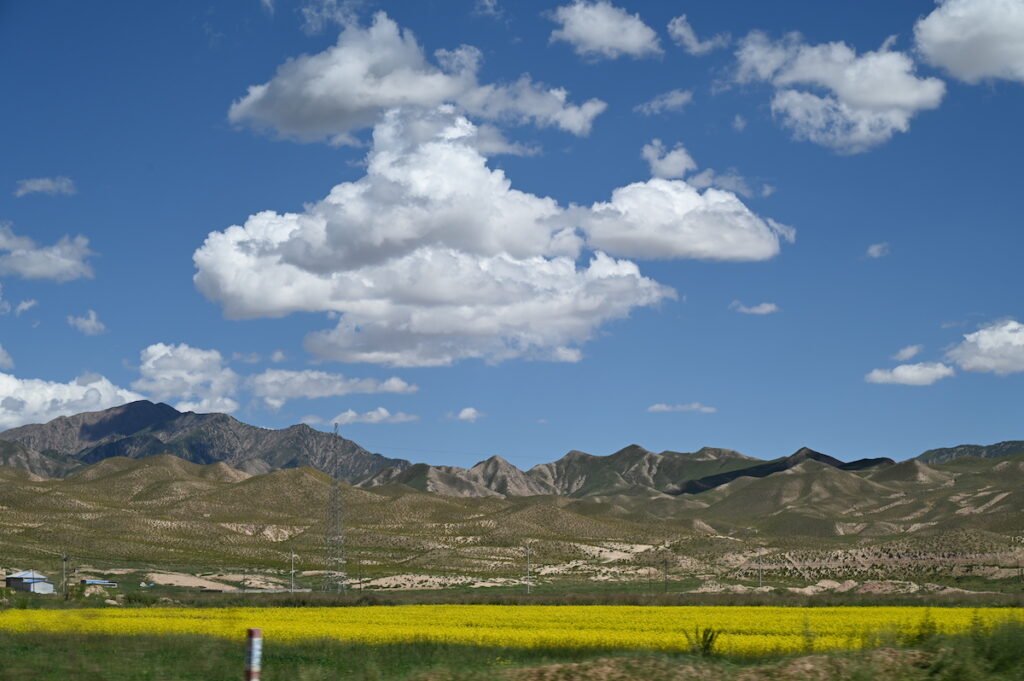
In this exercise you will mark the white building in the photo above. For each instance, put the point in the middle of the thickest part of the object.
(30, 581)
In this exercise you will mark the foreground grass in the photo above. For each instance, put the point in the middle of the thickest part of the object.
(187, 658)
(995, 654)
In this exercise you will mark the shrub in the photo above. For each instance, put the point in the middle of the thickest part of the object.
(703, 641)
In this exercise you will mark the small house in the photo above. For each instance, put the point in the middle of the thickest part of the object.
(30, 581)
(99, 582)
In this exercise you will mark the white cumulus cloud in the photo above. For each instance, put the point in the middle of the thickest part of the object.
(25, 306)
(671, 219)
(63, 261)
(6, 361)
(923, 373)
(197, 378)
(760, 308)
(665, 163)
(430, 258)
(975, 40)
(45, 185)
(378, 415)
(470, 414)
(908, 352)
(684, 36)
(32, 400)
(347, 87)
(996, 348)
(276, 386)
(830, 95)
(692, 406)
(600, 29)
(90, 324)
(673, 100)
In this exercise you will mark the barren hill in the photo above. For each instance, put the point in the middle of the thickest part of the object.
(165, 511)
(765, 469)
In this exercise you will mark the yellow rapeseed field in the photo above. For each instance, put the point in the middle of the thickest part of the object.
(744, 630)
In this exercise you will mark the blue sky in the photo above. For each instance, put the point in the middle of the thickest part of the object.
(467, 228)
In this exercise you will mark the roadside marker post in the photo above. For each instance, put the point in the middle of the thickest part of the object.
(254, 656)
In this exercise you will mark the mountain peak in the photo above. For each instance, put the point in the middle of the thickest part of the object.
(632, 449)
(499, 475)
(126, 419)
(805, 453)
(71, 434)
(143, 428)
(494, 459)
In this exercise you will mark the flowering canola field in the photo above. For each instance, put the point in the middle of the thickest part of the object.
(744, 630)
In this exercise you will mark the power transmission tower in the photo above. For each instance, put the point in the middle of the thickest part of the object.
(334, 539)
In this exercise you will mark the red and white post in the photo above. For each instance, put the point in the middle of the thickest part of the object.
(254, 655)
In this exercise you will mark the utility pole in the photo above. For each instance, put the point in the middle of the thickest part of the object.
(334, 577)
(664, 572)
(293, 571)
(64, 575)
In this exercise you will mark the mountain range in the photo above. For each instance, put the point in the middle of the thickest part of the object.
(147, 486)
(141, 429)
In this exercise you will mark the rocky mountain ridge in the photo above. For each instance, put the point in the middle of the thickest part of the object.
(142, 429)
(631, 470)
(993, 451)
